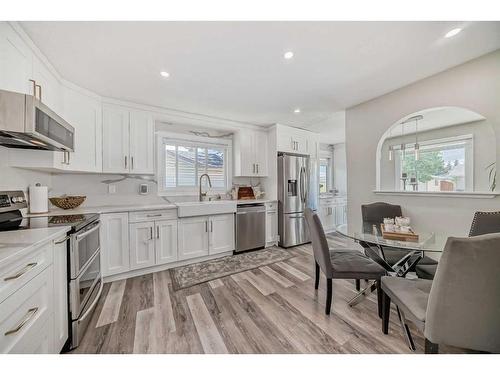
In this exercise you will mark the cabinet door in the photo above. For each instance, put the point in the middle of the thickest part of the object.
(340, 214)
(260, 153)
(141, 143)
(142, 245)
(85, 114)
(166, 241)
(115, 140)
(15, 62)
(221, 233)
(244, 162)
(51, 89)
(271, 226)
(115, 252)
(193, 237)
(60, 293)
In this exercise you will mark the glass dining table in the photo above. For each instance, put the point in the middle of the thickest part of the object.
(376, 247)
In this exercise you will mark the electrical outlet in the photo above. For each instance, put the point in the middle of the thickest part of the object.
(111, 189)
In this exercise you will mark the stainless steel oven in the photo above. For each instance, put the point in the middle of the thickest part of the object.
(85, 284)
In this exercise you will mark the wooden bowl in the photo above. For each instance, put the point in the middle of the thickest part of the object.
(68, 202)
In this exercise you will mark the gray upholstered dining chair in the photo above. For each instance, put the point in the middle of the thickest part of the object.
(461, 307)
(373, 214)
(339, 264)
(482, 223)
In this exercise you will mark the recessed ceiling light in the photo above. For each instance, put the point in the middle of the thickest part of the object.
(288, 55)
(296, 110)
(453, 32)
(165, 74)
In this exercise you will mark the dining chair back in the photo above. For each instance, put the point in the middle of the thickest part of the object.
(319, 242)
(485, 222)
(463, 308)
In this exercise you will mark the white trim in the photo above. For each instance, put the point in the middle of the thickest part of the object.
(441, 194)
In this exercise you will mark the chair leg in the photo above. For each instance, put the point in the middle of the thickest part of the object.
(358, 285)
(316, 281)
(379, 299)
(386, 312)
(406, 329)
(431, 348)
(328, 296)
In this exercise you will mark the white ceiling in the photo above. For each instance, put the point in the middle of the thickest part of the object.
(235, 70)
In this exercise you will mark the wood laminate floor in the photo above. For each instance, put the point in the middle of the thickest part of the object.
(272, 309)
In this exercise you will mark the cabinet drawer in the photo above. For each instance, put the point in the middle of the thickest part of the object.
(138, 216)
(16, 274)
(25, 316)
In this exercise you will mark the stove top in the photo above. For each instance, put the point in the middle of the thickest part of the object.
(12, 219)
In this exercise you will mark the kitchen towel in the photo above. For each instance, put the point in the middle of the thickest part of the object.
(39, 199)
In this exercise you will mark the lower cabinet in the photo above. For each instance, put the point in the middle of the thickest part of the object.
(153, 243)
(205, 235)
(60, 292)
(142, 245)
(271, 223)
(115, 249)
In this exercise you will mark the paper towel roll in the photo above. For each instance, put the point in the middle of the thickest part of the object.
(39, 199)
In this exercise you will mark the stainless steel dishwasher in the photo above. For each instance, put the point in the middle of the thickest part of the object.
(250, 227)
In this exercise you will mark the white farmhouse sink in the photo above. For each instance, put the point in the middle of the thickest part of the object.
(185, 209)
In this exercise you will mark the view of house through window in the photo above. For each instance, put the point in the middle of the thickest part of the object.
(441, 166)
(186, 162)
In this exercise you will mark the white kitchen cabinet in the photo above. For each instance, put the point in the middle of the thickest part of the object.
(16, 62)
(294, 140)
(115, 139)
(193, 237)
(341, 214)
(60, 293)
(327, 214)
(250, 153)
(205, 235)
(142, 245)
(166, 241)
(127, 141)
(50, 90)
(115, 249)
(221, 233)
(271, 223)
(141, 142)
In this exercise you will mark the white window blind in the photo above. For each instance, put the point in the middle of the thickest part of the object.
(184, 162)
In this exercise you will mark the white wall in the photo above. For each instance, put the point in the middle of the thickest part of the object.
(475, 86)
(340, 168)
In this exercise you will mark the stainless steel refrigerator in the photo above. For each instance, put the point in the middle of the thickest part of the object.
(296, 191)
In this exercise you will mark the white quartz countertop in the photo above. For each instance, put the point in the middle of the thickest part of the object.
(17, 243)
(107, 209)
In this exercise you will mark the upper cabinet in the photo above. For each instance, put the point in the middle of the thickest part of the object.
(127, 137)
(296, 141)
(250, 153)
(16, 62)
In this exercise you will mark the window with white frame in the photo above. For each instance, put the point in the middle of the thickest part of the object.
(182, 162)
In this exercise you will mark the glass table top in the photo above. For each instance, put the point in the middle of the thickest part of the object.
(431, 242)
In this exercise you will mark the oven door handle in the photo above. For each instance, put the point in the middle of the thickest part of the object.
(91, 308)
(80, 237)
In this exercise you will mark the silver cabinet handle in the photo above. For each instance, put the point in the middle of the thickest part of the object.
(153, 215)
(211, 226)
(29, 315)
(132, 162)
(68, 158)
(34, 86)
(157, 231)
(150, 233)
(61, 241)
(125, 162)
(257, 168)
(206, 226)
(25, 269)
(39, 92)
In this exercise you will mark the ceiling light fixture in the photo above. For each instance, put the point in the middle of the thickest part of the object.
(288, 55)
(453, 32)
(297, 110)
(165, 74)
